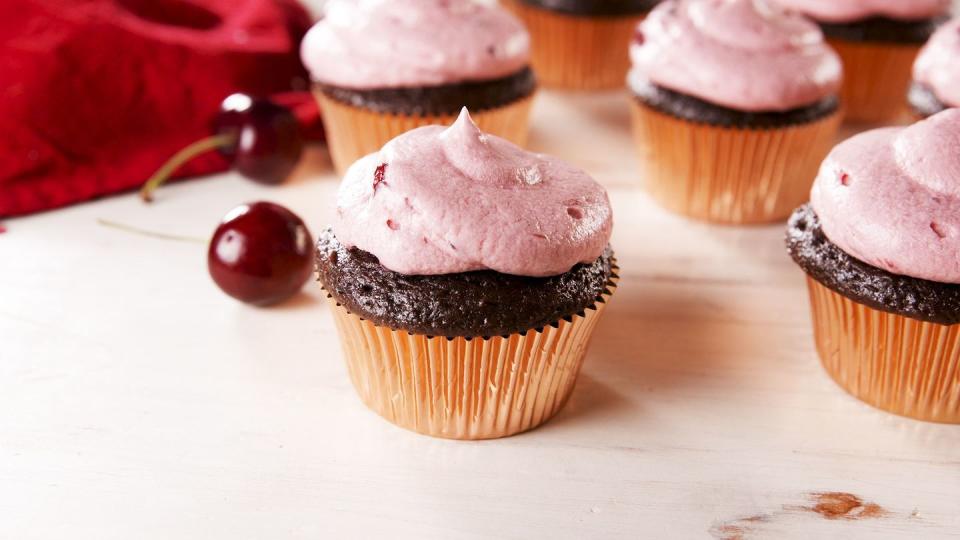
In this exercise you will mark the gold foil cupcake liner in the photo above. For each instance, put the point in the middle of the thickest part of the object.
(876, 79)
(899, 364)
(353, 132)
(467, 388)
(577, 52)
(729, 175)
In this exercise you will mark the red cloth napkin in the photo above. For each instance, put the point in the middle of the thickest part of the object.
(96, 94)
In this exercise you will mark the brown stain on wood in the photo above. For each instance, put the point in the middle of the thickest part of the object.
(737, 529)
(832, 505)
(728, 532)
(840, 505)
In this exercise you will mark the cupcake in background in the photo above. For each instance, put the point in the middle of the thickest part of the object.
(878, 41)
(465, 277)
(581, 44)
(936, 74)
(383, 67)
(735, 105)
(880, 243)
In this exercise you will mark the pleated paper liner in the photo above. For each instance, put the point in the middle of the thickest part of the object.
(876, 77)
(899, 364)
(577, 52)
(729, 175)
(460, 388)
(353, 132)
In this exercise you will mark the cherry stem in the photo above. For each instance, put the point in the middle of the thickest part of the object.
(145, 232)
(163, 173)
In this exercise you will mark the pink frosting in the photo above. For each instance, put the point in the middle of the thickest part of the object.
(938, 65)
(854, 10)
(891, 198)
(440, 200)
(408, 43)
(741, 54)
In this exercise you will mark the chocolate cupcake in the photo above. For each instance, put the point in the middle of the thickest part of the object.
(581, 44)
(936, 73)
(383, 68)
(878, 41)
(880, 244)
(734, 107)
(465, 276)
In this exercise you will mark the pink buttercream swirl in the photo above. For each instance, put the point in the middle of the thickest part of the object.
(938, 66)
(441, 200)
(891, 198)
(841, 11)
(741, 54)
(368, 44)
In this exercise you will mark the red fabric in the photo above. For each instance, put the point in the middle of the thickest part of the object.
(96, 94)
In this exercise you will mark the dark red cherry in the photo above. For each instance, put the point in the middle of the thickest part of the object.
(262, 138)
(233, 111)
(261, 253)
(265, 139)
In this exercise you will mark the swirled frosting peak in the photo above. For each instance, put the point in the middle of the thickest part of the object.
(938, 66)
(891, 198)
(841, 11)
(742, 54)
(442, 200)
(368, 44)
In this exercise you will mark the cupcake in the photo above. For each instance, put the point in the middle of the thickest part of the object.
(384, 67)
(936, 74)
(880, 244)
(735, 105)
(581, 44)
(878, 41)
(465, 276)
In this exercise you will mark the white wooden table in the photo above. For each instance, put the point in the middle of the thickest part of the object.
(138, 401)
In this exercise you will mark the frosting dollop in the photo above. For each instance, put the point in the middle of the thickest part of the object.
(938, 66)
(441, 200)
(742, 54)
(891, 198)
(368, 44)
(840, 11)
